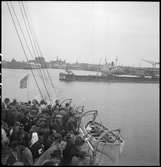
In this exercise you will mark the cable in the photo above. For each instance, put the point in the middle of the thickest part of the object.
(34, 52)
(30, 33)
(23, 47)
(47, 72)
(40, 52)
(39, 48)
(27, 44)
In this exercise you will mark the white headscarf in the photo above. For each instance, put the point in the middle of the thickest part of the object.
(34, 138)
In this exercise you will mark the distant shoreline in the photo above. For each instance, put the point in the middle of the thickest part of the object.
(46, 68)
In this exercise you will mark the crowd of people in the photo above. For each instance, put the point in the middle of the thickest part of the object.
(37, 133)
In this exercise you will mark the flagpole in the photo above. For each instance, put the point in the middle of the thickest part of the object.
(28, 89)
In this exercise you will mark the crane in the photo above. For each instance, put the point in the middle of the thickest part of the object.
(99, 66)
(151, 62)
(116, 60)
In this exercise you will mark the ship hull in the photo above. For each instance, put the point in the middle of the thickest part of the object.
(113, 78)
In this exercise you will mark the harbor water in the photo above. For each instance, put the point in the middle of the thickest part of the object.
(132, 107)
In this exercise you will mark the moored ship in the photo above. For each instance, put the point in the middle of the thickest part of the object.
(108, 78)
(111, 73)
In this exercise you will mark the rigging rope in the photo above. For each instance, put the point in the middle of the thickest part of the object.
(28, 32)
(27, 44)
(23, 48)
(39, 50)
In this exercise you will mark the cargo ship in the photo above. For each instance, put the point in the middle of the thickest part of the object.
(70, 76)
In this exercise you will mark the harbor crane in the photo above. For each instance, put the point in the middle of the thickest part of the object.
(153, 63)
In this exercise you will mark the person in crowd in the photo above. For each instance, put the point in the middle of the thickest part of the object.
(30, 129)
(57, 124)
(20, 153)
(42, 106)
(4, 138)
(73, 149)
(14, 102)
(57, 105)
(3, 112)
(6, 102)
(18, 134)
(67, 107)
(36, 146)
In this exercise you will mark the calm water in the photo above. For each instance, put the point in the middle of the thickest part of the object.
(132, 107)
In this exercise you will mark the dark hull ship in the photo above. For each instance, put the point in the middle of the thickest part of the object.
(108, 78)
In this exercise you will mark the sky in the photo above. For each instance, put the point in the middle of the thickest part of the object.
(88, 31)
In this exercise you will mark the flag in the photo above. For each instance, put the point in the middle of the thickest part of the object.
(23, 82)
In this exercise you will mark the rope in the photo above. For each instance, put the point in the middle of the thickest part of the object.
(40, 52)
(34, 51)
(23, 47)
(47, 71)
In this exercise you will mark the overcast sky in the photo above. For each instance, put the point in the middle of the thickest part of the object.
(88, 32)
